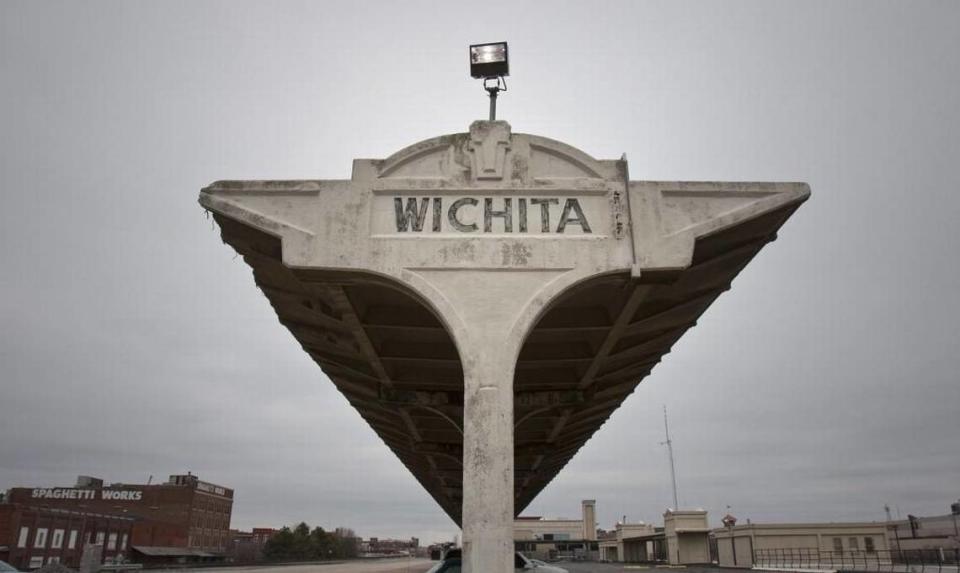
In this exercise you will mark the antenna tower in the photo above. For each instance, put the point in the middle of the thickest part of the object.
(673, 469)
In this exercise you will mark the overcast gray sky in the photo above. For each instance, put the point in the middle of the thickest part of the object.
(133, 343)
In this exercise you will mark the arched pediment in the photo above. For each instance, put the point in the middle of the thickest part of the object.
(552, 158)
(490, 155)
(427, 158)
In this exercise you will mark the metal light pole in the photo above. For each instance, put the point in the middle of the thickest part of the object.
(493, 90)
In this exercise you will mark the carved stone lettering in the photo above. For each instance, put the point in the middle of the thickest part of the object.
(544, 212)
(489, 214)
(473, 214)
(411, 216)
(578, 218)
(437, 213)
(454, 219)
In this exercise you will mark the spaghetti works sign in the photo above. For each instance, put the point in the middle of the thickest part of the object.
(90, 494)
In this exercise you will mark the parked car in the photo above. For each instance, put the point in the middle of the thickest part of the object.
(452, 562)
(7, 568)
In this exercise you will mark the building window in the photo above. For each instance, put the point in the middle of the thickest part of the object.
(837, 544)
(854, 544)
(72, 543)
(53, 560)
(57, 541)
(100, 537)
(123, 542)
(36, 562)
(868, 544)
(40, 540)
(112, 543)
(24, 533)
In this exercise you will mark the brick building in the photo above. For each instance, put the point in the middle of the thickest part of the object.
(32, 536)
(247, 546)
(184, 519)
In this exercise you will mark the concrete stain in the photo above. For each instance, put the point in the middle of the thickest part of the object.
(515, 254)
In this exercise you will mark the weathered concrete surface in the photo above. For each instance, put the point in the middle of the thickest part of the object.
(487, 299)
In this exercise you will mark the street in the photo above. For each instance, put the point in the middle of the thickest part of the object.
(359, 566)
(594, 567)
(421, 565)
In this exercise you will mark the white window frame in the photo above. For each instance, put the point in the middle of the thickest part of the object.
(36, 562)
(40, 538)
(123, 542)
(72, 542)
(24, 536)
(54, 559)
(101, 535)
(112, 542)
(57, 541)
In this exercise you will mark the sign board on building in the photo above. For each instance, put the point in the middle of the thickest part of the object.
(76, 493)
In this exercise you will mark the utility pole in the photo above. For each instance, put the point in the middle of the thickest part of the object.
(673, 469)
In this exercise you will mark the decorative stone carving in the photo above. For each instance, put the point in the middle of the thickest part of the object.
(489, 143)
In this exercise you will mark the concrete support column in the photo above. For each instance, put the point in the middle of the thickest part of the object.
(488, 460)
(490, 313)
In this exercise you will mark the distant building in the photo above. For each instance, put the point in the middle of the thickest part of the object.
(182, 520)
(684, 539)
(687, 536)
(786, 544)
(634, 543)
(247, 546)
(32, 536)
(546, 538)
(240, 547)
(260, 535)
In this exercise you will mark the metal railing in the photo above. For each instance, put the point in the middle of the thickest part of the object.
(940, 560)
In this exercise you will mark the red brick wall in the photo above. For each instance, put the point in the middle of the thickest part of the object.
(86, 526)
(168, 515)
(8, 529)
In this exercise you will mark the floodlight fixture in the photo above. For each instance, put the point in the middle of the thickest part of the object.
(491, 63)
(489, 60)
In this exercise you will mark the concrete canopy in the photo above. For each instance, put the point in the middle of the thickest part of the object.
(487, 299)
